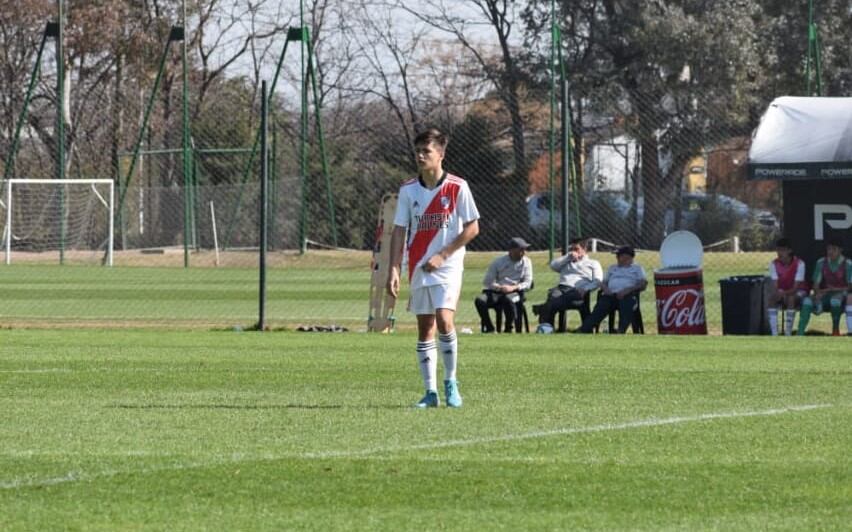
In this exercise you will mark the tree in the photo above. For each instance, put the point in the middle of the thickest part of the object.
(647, 66)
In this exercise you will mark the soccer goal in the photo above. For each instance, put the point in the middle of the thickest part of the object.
(69, 219)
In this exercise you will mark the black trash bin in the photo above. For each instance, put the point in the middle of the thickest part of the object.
(744, 304)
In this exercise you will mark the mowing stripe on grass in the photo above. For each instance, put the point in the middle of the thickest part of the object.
(75, 476)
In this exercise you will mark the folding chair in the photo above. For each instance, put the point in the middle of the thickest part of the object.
(637, 325)
(522, 318)
(583, 307)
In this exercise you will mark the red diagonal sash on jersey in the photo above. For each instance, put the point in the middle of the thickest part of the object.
(423, 236)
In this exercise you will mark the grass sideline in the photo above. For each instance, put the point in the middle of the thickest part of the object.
(321, 287)
(152, 430)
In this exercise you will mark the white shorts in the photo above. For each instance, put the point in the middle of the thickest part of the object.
(427, 299)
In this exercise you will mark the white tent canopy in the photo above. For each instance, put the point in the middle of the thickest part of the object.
(803, 138)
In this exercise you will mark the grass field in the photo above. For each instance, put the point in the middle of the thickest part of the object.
(322, 287)
(179, 430)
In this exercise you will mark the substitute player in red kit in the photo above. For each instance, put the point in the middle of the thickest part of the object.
(438, 212)
(787, 272)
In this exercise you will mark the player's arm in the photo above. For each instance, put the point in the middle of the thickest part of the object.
(817, 279)
(526, 275)
(469, 232)
(397, 246)
(490, 281)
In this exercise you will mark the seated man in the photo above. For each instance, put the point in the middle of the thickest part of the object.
(578, 275)
(831, 282)
(621, 285)
(788, 286)
(507, 277)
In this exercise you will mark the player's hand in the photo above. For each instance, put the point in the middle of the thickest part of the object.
(393, 283)
(434, 262)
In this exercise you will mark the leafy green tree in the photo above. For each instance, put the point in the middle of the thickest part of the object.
(676, 75)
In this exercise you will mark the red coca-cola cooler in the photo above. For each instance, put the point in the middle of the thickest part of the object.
(679, 285)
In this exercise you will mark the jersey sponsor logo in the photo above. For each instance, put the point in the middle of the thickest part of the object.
(428, 222)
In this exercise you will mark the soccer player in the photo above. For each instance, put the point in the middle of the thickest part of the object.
(831, 282)
(787, 272)
(439, 214)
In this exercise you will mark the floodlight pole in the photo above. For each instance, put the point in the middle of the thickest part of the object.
(176, 34)
(60, 124)
(50, 30)
(264, 192)
(567, 165)
(293, 34)
(303, 137)
(552, 140)
(813, 53)
(569, 169)
(323, 158)
(187, 156)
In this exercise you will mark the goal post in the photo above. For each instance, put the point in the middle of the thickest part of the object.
(48, 215)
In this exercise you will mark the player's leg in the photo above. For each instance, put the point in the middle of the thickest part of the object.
(835, 303)
(626, 309)
(508, 305)
(849, 314)
(772, 313)
(602, 308)
(483, 302)
(805, 315)
(557, 300)
(445, 297)
(427, 352)
(793, 301)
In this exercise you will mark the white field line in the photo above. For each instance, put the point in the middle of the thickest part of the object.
(138, 370)
(43, 370)
(651, 422)
(75, 476)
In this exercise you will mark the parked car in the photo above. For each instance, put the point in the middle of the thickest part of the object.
(693, 206)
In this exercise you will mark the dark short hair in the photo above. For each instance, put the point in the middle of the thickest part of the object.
(580, 241)
(834, 241)
(432, 134)
(625, 250)
(783, 243)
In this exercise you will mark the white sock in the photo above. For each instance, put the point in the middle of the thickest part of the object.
(789, 318)
(427, 359)
(773, 320)
(449, 345)
(849, 318)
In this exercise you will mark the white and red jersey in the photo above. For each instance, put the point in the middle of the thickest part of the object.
(787, 275)
(434, 218)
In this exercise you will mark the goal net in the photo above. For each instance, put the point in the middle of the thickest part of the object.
(64, 220)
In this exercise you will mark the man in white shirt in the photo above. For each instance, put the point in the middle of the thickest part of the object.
(507, 278)
(578, 275)
(620, 290)
(437, 211)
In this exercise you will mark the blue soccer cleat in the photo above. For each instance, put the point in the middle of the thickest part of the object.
(430, 400)
(451, 390)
